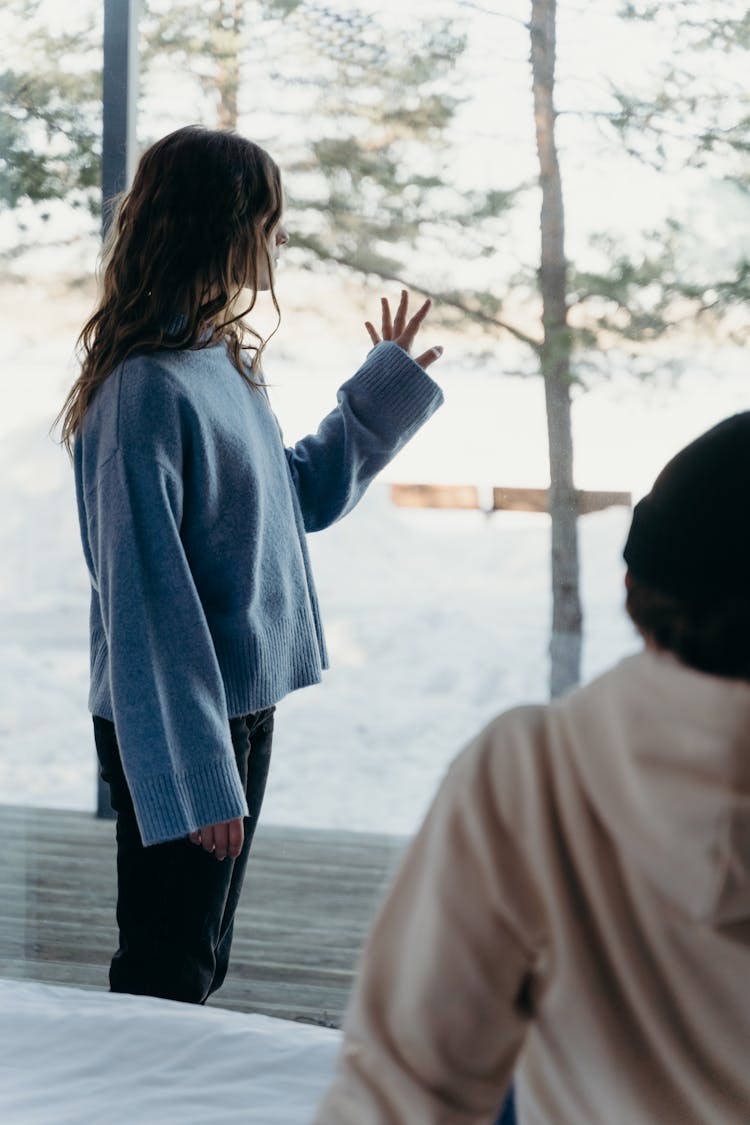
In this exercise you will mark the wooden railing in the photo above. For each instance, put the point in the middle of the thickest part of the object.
(469, 496)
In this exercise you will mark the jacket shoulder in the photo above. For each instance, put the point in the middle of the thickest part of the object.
(513, 761)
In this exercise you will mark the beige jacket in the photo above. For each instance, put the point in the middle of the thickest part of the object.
(575, 912)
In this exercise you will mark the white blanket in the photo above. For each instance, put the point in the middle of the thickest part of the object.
(73, 1057)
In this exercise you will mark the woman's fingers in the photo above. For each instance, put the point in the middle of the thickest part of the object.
(236, 837)
(399, 330)
(221, 841)
(400, 321)
(228, 838)
(387, 326)
(407, 336)
(224, 839)
(428, 357)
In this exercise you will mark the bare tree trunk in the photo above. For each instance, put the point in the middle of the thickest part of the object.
(229, 20)
(565, 646)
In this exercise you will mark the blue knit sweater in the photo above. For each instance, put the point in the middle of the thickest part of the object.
(193, 518)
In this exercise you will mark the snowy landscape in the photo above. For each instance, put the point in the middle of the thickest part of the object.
(436, 620)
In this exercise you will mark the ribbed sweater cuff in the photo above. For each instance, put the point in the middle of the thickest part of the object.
(170, 806)
(404, 391)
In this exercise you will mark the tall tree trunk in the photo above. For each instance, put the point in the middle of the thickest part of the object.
(565, 646)
(229, 20)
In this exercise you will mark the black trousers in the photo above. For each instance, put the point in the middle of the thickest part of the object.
(175, 902)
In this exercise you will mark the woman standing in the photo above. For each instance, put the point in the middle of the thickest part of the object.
(193, 518)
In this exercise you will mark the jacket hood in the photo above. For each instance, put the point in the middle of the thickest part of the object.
(663, 753)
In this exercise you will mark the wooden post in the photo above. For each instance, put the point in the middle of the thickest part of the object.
(119, 108)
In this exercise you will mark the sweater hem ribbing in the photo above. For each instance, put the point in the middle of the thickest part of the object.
(260, 669)
(257, 670)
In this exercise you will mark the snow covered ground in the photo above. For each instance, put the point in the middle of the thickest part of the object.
(435, 620)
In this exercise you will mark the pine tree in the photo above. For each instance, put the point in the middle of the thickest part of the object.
(364, 186)
(686, 121)
(50, 123)
(696, 119)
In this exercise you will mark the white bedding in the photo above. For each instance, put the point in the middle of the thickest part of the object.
(73, 1057)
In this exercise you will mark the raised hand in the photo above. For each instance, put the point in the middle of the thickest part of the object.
(402, 332)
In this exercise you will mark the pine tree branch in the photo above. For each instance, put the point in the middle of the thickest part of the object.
(492, 12)
(440, 298)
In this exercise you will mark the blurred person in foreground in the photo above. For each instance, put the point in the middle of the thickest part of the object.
(575, 912)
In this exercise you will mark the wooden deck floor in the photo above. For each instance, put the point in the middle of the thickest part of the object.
(308, 900)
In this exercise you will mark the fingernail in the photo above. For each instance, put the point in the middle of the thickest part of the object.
(439, 350)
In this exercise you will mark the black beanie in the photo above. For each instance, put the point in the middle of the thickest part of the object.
(690, 537)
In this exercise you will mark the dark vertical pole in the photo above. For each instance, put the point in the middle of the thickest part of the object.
(119, 99)
(119, 107)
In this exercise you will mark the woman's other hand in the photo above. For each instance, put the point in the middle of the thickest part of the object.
(224, 839)
(402, 332)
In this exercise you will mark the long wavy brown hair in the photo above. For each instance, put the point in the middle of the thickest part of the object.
(190, 235)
